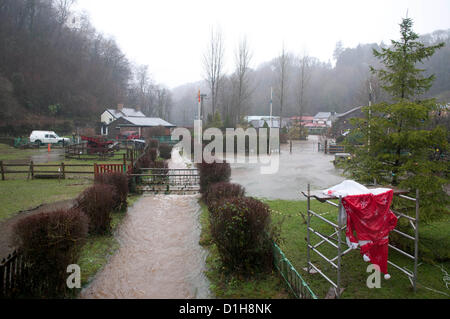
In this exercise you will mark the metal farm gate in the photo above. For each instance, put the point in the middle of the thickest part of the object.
(168, 181)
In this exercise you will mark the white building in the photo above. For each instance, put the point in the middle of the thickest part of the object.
(110, 115)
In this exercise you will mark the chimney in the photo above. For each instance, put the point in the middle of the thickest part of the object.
(138, 108)
(119, 107)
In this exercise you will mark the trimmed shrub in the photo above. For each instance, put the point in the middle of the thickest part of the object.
(156, 131)
(153, 143)
(165, 151)
(49, 242)
(97, 202)
(222, 190)
(241, 229)
(153, 154)
(213, 173)
(145, 161)
(120, 183)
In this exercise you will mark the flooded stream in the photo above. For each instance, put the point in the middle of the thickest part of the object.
(159, 255)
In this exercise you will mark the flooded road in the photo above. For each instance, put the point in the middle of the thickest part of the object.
(305, 165)
(159, 255)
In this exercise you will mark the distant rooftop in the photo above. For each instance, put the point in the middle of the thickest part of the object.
(125, 112)
(147, 121)
(323, 115)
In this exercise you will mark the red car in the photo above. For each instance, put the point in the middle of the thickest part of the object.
(130, 135)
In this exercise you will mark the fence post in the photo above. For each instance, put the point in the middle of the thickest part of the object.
(32, 169)
(124, 163)
(326, 146)
(63, 170)
(3, 170)
(95, 170)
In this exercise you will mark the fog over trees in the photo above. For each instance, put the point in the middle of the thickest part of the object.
(55, 65)
(310, 85)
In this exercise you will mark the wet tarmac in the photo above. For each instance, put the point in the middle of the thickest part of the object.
(305, 165)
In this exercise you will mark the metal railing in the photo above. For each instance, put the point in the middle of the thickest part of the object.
(165, 179)
(295, 282)
(336, 239)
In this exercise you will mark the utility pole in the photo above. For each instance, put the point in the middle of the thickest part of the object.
(271, 105)
(370, 111)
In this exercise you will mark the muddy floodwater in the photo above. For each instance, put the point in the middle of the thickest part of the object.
(159, 255)
(305, 165)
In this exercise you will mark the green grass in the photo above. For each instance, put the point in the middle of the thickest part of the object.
(20, 195)
(98, 249)
(354, 275)
(268, 286)
(17, 193)
(8, 153)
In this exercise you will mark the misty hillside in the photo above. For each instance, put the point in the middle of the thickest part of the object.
(57, 71)
(339, 87)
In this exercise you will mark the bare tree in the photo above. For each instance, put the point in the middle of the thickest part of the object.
(304, 76)
(63, 8)
(213, 65)
(241, 81)
(282, 66)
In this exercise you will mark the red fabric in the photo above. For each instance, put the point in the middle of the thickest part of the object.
(370, 217)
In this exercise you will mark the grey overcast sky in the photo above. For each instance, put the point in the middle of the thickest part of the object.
(170, 36)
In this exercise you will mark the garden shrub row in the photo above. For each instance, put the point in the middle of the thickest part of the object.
(240, 226)
(51, 241)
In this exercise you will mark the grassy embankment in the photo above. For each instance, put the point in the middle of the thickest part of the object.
(354, 275)
(268, 286)
(292, 214)
(19, 194)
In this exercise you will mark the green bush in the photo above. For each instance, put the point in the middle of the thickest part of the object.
(241, 229)
(165, 151)
(120, 183)
(222, 190)
(49, 242)
(97, 202)
(211, 173)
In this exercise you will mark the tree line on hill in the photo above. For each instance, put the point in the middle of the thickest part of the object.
(302, 84)
(55, 67)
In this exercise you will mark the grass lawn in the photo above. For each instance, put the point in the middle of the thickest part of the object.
(20, 195)
(8, 153)
(431, 282)
(268, 286)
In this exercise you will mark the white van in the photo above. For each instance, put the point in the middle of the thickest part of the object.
(47, 137)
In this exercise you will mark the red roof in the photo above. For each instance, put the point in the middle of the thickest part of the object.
(302, 118)
(315, 125)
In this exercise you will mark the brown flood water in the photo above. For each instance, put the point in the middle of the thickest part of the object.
(159, 255)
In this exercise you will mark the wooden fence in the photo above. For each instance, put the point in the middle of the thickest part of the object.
(111, 168)
(12, 275)
(331, 149)
(45, 171)
(60, 170)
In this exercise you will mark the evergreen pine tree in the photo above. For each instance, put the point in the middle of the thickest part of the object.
(400, 146)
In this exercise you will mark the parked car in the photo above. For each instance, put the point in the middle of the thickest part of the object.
(129, 135)
(47, 137)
